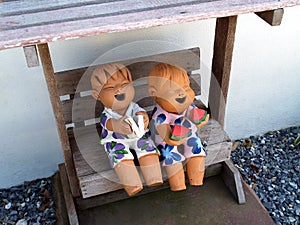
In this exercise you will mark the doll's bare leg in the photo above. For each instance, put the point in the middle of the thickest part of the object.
(129, 177)
(176, 177)
(195, 167)
(150, 167)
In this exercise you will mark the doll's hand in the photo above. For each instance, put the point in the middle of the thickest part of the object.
(119, 126)
(146, 118)
(164, 130)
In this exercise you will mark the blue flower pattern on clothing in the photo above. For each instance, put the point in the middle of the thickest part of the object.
(183, 122)
(186, 124)
(196, 144)
(118, 135)
(168, 155)
(154, 111)
(144, 143)
(115, 151)
(103, 119)
(160, 119)
(104, 134)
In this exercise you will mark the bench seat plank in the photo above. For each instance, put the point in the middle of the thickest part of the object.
(93, 169)
(17, 28)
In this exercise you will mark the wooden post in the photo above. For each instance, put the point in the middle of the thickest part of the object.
(221, 66)
(70, 204)
(60, 122)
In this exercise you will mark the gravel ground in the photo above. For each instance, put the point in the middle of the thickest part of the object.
(28, 204)
(270, 164)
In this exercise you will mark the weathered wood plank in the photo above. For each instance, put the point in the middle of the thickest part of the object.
(85, 108)
(107, 181)
(31, 56)
(86, 203)
(221, 66)
(69, 201)
(71, 12)
(78, 80)
(92, 158)
(57, 109)
(93, 169)
(272, 17)
(232, 179)
(172, 13)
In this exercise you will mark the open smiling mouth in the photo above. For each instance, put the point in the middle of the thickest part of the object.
(180, 100)
(120, 97)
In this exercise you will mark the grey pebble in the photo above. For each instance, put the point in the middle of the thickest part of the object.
(277, 174)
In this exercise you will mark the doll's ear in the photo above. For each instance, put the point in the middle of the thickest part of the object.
(152, 91)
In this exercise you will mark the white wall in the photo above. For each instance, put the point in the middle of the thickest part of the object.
(264, 92)
(29, 146)
(264, 88)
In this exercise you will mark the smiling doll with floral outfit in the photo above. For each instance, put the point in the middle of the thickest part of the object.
(175, 121)
(112, 85)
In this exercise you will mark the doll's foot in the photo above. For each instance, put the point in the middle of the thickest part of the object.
(132, 190)
(129, 177)
(176, 177)
(151, 170)
(195, 170)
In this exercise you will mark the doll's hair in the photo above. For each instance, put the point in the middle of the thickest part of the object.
(163, 73)
(102, 73)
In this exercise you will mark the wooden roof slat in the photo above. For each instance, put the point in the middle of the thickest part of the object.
(25, 6)
(163, 12)
(29, 18)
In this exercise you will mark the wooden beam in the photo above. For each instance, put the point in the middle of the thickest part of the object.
(232, 179)
(69, 201)
(83, 204)
(221, 66)
(272, 17)
(31, 56)
(60, 122)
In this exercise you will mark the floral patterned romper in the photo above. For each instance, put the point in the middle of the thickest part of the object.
(117, 145)
(192, 147)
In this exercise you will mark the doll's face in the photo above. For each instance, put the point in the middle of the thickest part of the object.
(117, 92)
(174, 96)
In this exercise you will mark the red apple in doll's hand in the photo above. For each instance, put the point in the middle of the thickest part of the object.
(119, 125)
(146, 118)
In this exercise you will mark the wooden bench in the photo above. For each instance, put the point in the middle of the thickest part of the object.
(86, 172)
(82, 112)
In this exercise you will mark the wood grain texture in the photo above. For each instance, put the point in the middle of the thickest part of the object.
(69, 201)
(232, 179)
(93, 169)
(26, 22)
(58, 114)
(86, 203)
(221, 66)
(272, 17)
(31, 56)
(78, 80)
(84, 108)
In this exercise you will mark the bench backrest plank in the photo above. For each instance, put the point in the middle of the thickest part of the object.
(75, 89)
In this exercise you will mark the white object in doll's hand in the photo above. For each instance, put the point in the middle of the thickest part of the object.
(137, 126)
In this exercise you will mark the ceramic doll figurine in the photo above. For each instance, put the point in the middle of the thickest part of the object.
(175, 121)
(124, 126)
